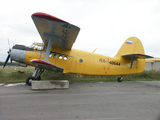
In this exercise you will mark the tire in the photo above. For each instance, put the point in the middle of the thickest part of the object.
(29, 79)
(120, 79)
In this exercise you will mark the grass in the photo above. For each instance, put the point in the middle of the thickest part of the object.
(145, 75)
(15, 74)
(19, 74)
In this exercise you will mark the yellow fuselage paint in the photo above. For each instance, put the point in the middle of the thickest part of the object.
(81, 62)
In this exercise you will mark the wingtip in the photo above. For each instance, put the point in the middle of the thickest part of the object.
(47, 17)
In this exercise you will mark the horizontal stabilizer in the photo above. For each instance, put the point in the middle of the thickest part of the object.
(135, 56)
(46, 65)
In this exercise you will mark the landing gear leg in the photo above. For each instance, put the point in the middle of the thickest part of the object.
(120, 78)
(35, 76)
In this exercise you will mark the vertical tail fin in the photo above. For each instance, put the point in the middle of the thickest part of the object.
(131, 45)
(132, 56)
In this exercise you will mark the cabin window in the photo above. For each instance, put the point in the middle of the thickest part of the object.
(55, 55)
(65, 58)
(60, 57)
(50, 55)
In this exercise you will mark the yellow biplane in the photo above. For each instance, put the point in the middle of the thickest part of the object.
(56, 53)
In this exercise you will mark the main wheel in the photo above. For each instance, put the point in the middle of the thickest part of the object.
(29, 80)
(120, 79)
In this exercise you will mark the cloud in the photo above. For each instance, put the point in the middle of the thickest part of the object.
(104, 24)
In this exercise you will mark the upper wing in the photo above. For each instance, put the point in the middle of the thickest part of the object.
(63, 33)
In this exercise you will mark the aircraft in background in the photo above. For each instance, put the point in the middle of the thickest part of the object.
(56, 53)
(155, 59)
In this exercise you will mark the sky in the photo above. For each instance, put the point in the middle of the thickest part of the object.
(104, 24)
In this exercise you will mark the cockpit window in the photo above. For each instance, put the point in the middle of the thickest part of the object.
(32, 45)
(37, 46)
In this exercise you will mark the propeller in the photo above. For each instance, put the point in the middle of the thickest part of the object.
(6, 60)
(8, 57)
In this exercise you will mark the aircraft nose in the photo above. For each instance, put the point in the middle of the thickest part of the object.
(18, 53)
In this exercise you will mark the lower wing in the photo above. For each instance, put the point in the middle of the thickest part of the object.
(45, 65)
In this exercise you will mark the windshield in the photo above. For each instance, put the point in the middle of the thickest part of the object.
(37, 46)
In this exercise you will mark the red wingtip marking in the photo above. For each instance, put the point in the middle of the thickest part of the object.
(42, 62)
(48, 17)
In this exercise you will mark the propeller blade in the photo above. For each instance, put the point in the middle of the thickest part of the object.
(14, 42)
(6, 60)
(9, 44)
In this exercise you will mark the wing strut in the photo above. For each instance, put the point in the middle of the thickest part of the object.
(51, 39)
(132, 59)
(48, 50)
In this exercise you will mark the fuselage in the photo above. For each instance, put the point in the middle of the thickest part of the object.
(79, 62)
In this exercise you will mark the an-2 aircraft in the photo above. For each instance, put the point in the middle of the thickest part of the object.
(56, 53)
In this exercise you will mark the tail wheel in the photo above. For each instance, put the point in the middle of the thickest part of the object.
(29, 80)
(120, 79)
